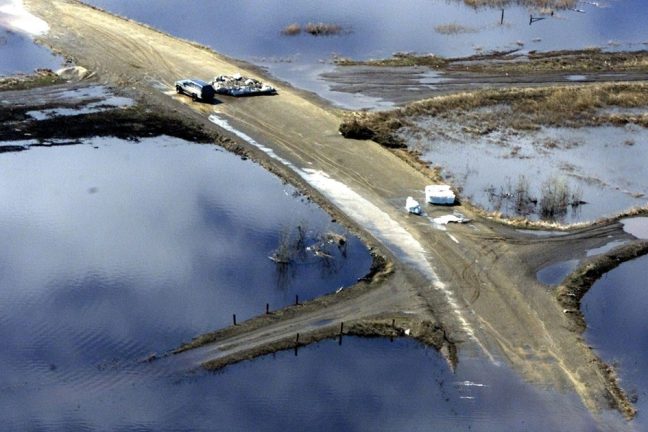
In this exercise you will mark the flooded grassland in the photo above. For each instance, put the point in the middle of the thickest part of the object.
(212, 233)
(558, 154)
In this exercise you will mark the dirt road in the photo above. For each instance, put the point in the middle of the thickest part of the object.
(476, 281)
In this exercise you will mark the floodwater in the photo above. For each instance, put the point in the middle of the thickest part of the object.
(556, 273)
(615, 312)
(603, 167)
(637, 226)
(18, 52)
(251, 30)
(119, 249)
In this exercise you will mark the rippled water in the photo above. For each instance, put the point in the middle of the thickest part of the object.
(118, 249)
(251, 30)
(115, 249)
(615, 312)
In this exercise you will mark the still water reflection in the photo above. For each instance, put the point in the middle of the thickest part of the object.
(251, 30)
(615, 312)
(114, 250)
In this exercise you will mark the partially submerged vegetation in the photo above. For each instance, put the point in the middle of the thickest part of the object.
(514, 62)
(40, 78)
(573, 289)
(313, 29)
(515, 108)
(453, 28)
(556, 197)
(536, 4)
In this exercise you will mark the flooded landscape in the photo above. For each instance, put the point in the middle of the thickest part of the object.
(176, 265)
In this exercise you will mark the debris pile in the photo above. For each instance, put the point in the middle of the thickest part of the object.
(412, 206)
(238, 85)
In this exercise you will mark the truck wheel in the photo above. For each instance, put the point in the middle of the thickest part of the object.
(194, 97)
(178, 89)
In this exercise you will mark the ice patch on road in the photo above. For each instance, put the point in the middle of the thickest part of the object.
(14, 16)
(396, 238)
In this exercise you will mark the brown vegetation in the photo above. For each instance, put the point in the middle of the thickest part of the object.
(40, 78)
(574, 288)
(537, 4)
(313, 29)
(512, 62)
(524, 109)
(453, 28)
(291, 30)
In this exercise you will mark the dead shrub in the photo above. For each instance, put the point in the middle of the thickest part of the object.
(323, 29)
(291, 30)
(453, 29)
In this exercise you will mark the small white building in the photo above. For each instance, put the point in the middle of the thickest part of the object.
(439, 194)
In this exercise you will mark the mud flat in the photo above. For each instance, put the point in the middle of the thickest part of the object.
(484, 296)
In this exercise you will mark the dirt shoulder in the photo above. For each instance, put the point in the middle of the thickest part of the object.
(481, 293)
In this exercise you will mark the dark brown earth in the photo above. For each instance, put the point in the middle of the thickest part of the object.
(473, 286)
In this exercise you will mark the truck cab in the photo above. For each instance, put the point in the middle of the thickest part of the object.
(197, 89)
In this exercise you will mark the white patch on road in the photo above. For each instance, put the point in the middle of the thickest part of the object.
(453, 238)
(14, 16)
(396, 238)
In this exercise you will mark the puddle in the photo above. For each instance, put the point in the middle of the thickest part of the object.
(605, 248)
(637, 226)
(615, 312)
(253, 31)
(602, 166)
(554, 274)
(106, 104)
(541, 233)
(576, 77)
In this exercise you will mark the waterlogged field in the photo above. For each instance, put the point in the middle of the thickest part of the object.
(562, 174)
(614, 309)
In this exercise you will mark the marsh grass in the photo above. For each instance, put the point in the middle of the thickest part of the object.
(528, 109)
(453, 29)
(291, 30)
(536, 4)
(323, 29)
(513, 62)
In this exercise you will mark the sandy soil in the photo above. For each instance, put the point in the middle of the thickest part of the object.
(481, 290)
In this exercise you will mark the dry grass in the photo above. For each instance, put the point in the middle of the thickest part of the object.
(453, 29)
(291, 30)
(528, 109)
(536, 4)
(399, 59)
(512, 62)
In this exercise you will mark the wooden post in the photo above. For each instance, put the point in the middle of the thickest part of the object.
(341, 333)
(234, 318)
(267, 308)
(296, 299)
(502, 19)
